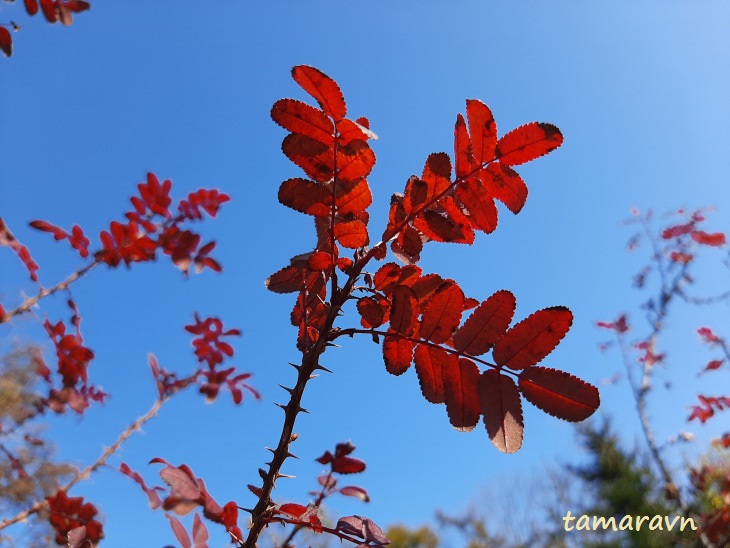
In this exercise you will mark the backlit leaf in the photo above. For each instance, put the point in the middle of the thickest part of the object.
(31, 6)
(442, 313)
(353, 197)
(354, 161)
(430, 361)
(486, 324)
(559, 394)
(397, 354)
(298, 117)
(483, 131)
(351, 234)
(463, 156)
(533, 338)
(479, 203)
(502, 410)
(373, 311)
(6, 42)
(404, 311)
(387, 277)
(306, 196)
(314, 157)
(717, 239)
(505, 185)
(287, 280)
(461, 394)
(323, 88)
(437, 174)
(528, 142)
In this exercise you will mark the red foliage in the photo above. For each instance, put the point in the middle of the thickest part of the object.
(70, 513)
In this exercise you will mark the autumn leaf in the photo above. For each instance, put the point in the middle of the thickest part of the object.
(502, 410)
(533, 338)
(559, 394)
(443, 313)
(323, 88)
(528, 142)
(430, 362)
(461, 394)
(486, 324)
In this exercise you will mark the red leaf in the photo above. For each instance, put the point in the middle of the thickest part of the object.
(404, 311)
(287, 280)
(430, 362)
(353, 197)
(416, 194)
(715, 240)
(373, 311)
(306, 196)
(397, 355)
(351, 234)
(292, 509)
(505, 185)
(387, 277)
(323, 88)
(355, 491)
(49, 10)
(437, 174)
(486, 324)
(559, 394)
(77, 6)
(319, 260)
(298, 117)
(528, 142)
(347, 465)
(479, 203)
(461, 392)
(463, 156)
(533, 338)
(31, 6)
(354, 161)
(443, 313)
(180, 533)
(200, 533)
(713, 364)
(6, 42)
(451, 226)
(58, 233)
(483, 131)
(314, 157)
(502, 410)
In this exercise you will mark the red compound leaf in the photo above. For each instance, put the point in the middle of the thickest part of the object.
(502, 410)
(531, 340)
(559, 394)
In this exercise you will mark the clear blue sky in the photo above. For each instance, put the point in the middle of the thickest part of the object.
(640, 93)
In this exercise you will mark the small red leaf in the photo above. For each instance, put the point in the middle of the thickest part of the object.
(715, 240)
(292, 509)
(404, 310)
(559, 394)
(533, 338)
(306, 196)
(353, 197)
(397, 355)
(461, 394)
(314, 157)
(323, 88)
(180, 533)
(355, 491)
(486, 324)
(287, 280)
(528, 142)
(373, 311)
(354, 161)
(430, 362)
(298, 117)
(437, 174)
(6, 42)
(463, 156)
(49, 10)
(483, 131)
(387, 277)
(502, 410)
(505, 185)
(443, 313)
(351, 234)
(482, 210)
(31, 6)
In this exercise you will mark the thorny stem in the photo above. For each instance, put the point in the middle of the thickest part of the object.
(101, 461)
(310, 363)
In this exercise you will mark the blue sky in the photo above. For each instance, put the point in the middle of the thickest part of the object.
(639, 92)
